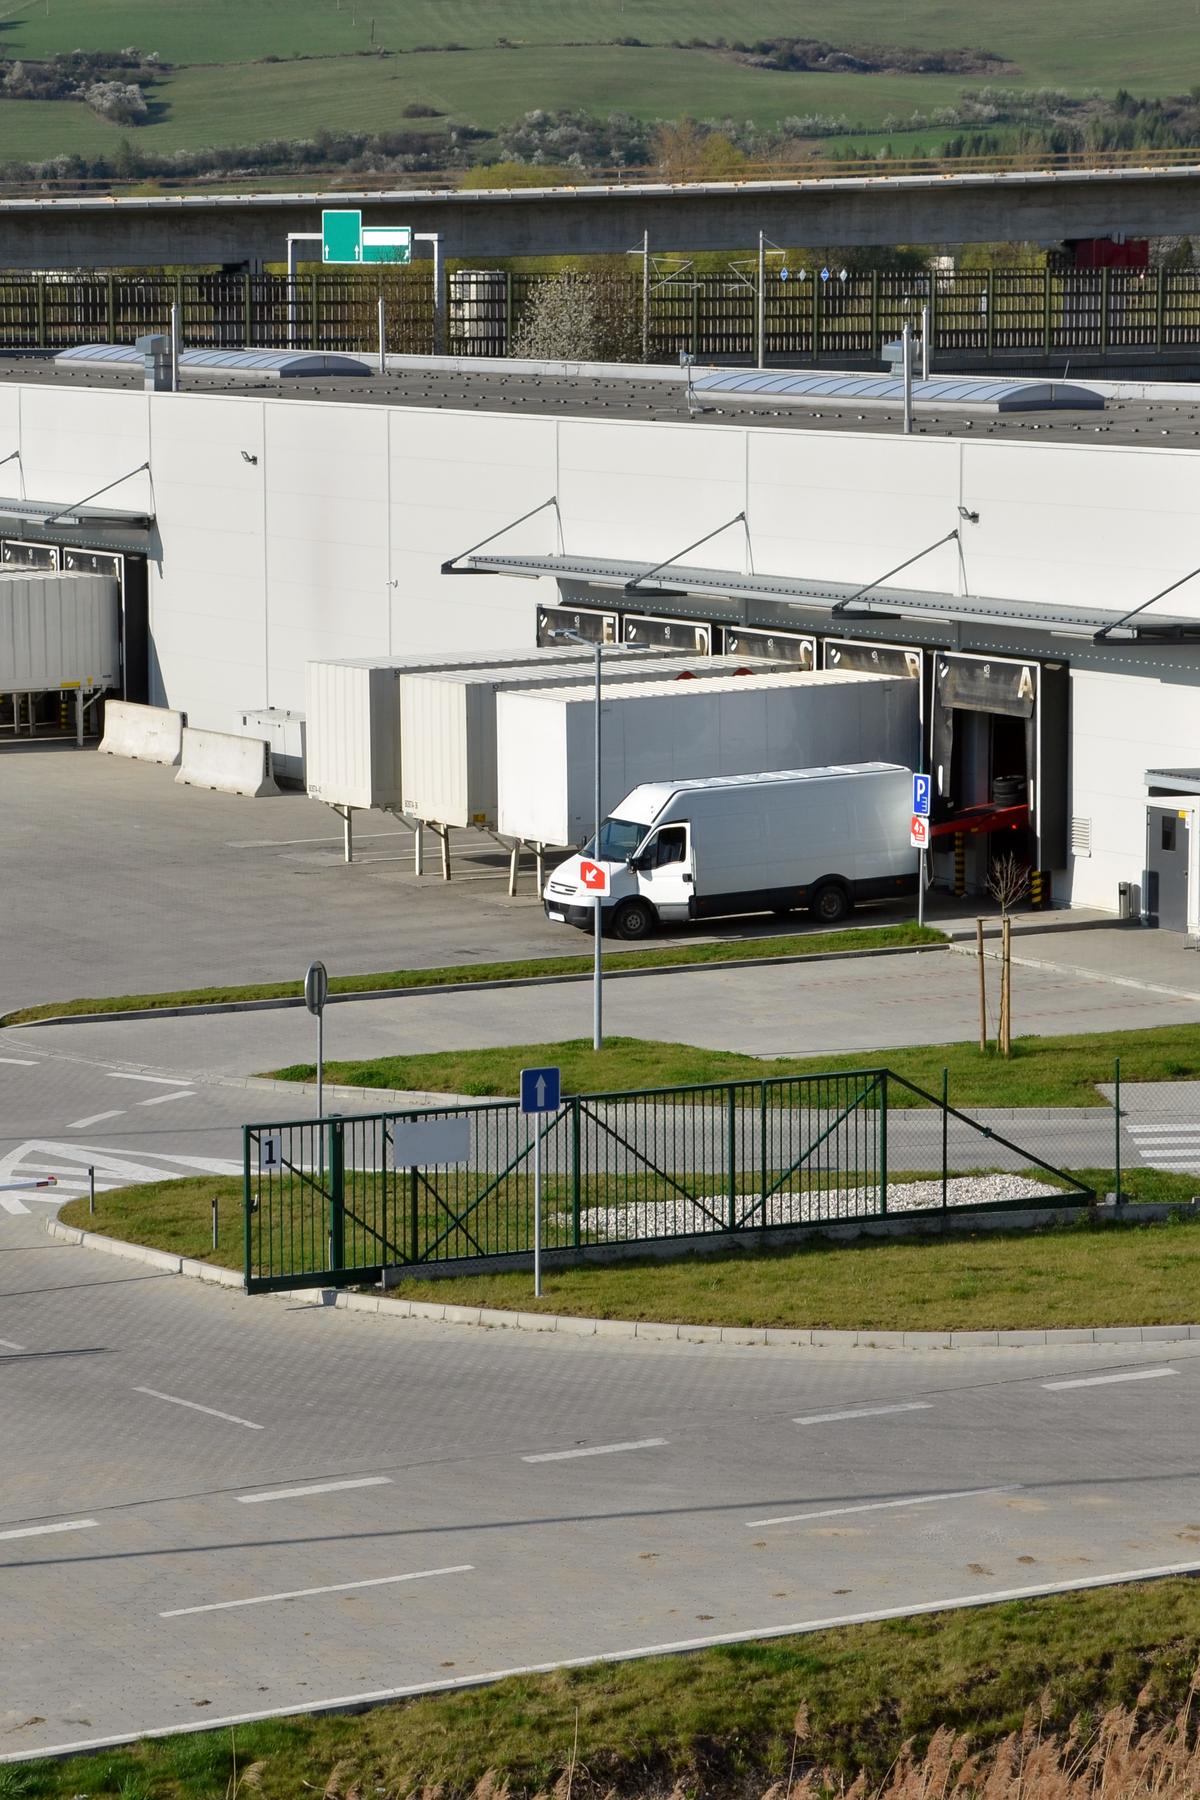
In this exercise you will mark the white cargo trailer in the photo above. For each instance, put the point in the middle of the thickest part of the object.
(824, 838)
(448, 723)
(660, 731)
(352, 717)
(57, 631)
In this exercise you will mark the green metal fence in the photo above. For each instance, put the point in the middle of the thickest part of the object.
(331, 1202)
(976, 314)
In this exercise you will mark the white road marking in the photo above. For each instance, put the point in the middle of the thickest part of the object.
(318, 1487)
(337, 1587)
(864, 1412)
(113, 1168)
(18, 1062)
(595, 1450)
(1107, 1380)
(94, 1119)
(839, 1512)
(161, 1099)
(157, 1080)
(25, 1531)
(194, 1406)
(7, 1344)
(10, 1205)
(342, 1702)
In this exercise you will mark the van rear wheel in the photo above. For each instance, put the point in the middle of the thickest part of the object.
(634, 920)
(830, 904)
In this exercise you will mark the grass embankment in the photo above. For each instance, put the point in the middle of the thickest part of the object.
(1067, 1276)
(729, 1720)
(811, 943)
(1042, 1071)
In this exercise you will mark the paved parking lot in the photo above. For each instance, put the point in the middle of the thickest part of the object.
(126, 883)
(254, 1505)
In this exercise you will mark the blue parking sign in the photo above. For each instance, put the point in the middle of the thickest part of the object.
(540, 1090)
(921, 791)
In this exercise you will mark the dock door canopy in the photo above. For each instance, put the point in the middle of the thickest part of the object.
(1020, 706)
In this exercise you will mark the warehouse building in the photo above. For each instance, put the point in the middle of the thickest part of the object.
(1023, 553)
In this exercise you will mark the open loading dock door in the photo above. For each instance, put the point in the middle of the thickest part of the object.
(998, 752)
(91, 540)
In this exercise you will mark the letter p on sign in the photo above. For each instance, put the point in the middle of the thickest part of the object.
(594, 877)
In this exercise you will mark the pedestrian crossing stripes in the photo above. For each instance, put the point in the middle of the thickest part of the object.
(1174, 1148)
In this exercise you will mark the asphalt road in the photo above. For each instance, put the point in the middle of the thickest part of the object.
(216, 1507)
(63, 1110)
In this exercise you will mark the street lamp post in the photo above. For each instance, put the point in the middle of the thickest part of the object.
(576, 637)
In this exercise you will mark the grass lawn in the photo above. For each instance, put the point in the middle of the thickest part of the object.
(810, 943)
(722, 1721)
(1071, 1275)
(1042, 1071)
(1099, 42)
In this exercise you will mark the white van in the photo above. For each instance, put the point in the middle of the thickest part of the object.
(819, 838)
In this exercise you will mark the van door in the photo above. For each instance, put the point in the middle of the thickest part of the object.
(665, 873)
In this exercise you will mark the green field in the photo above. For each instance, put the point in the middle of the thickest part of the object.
(220, 91)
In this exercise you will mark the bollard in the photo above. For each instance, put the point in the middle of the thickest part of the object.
(91, 1190)
(960, 865)
(214, 1221)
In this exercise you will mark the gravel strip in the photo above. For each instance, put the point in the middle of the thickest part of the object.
(683, 1218)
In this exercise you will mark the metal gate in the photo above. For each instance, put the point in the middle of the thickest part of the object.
(332, 1202)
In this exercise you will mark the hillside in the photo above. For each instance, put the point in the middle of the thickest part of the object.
(232, 72)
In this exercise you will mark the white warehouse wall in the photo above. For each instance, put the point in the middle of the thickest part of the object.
(1146, 717)
(326, 539)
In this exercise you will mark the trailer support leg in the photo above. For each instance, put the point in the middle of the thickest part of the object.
(79, 717)
(419, 848)
(540, 850)
(514, 858)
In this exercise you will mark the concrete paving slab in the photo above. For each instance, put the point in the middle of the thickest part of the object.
(800, 1009)
(681, 1502)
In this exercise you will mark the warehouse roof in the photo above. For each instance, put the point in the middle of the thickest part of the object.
(557, 392)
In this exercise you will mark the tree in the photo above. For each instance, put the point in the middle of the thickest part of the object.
(576, 317)
(687, 151)
(1007, 883)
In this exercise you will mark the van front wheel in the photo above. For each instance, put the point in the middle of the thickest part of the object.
(634, 920)
(830, 904)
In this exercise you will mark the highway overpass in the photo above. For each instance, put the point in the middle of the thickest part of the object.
(1046, 206)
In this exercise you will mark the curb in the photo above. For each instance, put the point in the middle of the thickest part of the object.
(284, 1002)
(638, 1330)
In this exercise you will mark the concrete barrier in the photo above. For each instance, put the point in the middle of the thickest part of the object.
(226, 763)
(145, 733)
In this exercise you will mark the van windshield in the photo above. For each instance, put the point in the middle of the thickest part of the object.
(619, 838)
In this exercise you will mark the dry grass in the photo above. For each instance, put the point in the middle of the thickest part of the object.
(1121, 1758)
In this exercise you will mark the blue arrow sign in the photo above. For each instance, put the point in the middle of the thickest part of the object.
(540, 1089)
(921, 793)
(785, 274)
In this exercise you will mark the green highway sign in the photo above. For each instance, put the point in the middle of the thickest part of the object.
(387, 243)
(341, 236)
(345, 239)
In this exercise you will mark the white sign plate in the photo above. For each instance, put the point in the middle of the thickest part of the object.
(420, 1143)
